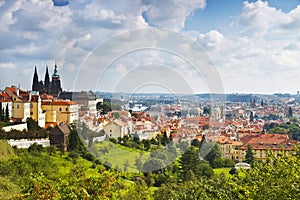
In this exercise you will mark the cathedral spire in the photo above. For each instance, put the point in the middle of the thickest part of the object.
(47, 81)
(35, 80)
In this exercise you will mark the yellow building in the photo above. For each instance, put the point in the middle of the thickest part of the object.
(278, 144)
(60, 111)
(229, 147)
(36, 111)
(20, 103)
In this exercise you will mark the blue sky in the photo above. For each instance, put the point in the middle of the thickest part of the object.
(254, 45)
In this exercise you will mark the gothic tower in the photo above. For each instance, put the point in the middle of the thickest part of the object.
(56, 86)
(35, 81)
(47, 84)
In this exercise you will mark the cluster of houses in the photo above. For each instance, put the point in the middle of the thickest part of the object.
(233, 127)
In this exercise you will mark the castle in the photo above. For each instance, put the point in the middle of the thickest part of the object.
(53, 88)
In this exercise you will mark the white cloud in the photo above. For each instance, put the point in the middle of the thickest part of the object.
(7, 66)
(263, 50)
(171, 13)
(263, 55)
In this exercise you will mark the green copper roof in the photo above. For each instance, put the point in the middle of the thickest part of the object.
(55, 74)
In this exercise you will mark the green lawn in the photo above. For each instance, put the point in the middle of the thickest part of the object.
(118, 155)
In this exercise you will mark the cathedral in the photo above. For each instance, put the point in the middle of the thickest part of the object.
(52, 88)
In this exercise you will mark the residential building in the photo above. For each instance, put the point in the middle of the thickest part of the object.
(116, 129)
(59, 135)
(87, 101)
(60, 111)
(278, 144)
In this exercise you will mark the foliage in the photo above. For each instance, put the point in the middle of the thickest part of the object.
(28, 175)
(106, 107)
(74, 141)
(190, 161)
(6, 150)
(214, 156)
(32, 125)
(249, 157)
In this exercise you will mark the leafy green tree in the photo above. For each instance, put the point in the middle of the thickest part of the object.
(138, 164)
(190, 161)
(32, 125)
(105, 107)
(214, 156)
(153, 164)
(147, 144)
(249, 157)
(149, 179)
(74, 141)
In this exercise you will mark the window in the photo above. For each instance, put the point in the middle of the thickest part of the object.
(59, 109)
(66, 109)
(109, 130)
(18, 106)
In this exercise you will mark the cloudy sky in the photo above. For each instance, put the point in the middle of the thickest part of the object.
(254, 46)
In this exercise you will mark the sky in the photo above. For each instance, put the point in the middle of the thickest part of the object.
(179, 46)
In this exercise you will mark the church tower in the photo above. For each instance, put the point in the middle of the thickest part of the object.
(47, 82)
(35, 81)
(56, 86)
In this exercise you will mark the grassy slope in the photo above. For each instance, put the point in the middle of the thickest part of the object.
(5, 150)
(118, 155)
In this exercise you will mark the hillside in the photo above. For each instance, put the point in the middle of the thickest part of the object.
(5, 150)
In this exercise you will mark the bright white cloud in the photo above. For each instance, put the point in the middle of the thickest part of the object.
(263, 50)
(171, 13)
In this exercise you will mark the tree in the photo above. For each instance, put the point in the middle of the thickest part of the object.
(6, 114)
(249, 158)
(165, 140)
(1, 113)
(138, 164)
(105, 107)
(147, 144)
(214, 154)
(74, 141)
(195, 142)
(32, 125)
(153, 164)
(190, 161)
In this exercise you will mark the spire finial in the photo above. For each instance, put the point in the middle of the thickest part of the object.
(55, 74)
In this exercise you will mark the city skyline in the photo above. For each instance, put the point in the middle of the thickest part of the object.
(253, 44)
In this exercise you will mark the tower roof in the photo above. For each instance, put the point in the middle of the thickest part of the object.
(55, 74)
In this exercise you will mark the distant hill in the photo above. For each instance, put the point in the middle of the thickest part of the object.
(5, 150)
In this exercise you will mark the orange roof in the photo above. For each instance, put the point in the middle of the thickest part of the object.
(51, 124)
(60, 102)
(272, 141)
